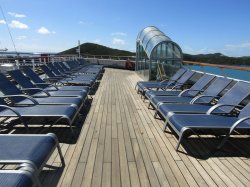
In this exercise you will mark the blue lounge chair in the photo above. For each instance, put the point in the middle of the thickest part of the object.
(232, 97)
(66, 68)
(47, 86)
(31, 88)
(185, 96)
(174, 78)
(65, 114)
(82, 68)
(54, 70)
(184, 124)
(17, 97)
(199, 106)
(65, 81)
(63, 71)
(142, 86)
(152, 93)
(179, 85)
(29, 150)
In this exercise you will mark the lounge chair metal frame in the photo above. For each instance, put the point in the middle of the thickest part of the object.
(28, 164)
(184, 130)
(63, 117)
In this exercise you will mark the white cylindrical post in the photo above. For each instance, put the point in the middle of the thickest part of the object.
(33, 64)
(17, 64)
(79, 50)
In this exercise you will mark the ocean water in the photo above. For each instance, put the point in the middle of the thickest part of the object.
(237, 74)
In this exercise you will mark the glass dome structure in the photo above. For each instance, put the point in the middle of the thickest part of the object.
(156, 54)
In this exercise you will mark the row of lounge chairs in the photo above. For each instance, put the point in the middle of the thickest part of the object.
(34, 98)
(211, 104)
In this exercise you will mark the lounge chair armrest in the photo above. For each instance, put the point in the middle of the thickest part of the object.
(38, 89)
(213, 108)
(188, 91)
(52, 79)
(232, 128)
(11, 109)
(48, 84)
(237, 123)
(195, 99)
(21, 96)
(71, 76)
(164, 80)
(177, 85)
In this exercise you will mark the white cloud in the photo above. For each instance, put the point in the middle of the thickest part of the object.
(118, 41)
(2, 22)
(191, 50)
(236, 50)
(17, 15)
(241, 49)
(21, 37)
(119, 34)
(44, 30)
(97, 41)
(82, 22)
(245, 45)
(18, 25)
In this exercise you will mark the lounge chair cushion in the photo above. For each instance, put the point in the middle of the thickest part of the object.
(15, 180)
(168, 108)
(153, 93)
(170, 99)
(81, 94)
(42, 111)
(203, 121)
(33, 148)
(35, 78)
(53, 100)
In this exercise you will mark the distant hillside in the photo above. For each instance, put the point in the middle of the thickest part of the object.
(217, 58)
(95, 49)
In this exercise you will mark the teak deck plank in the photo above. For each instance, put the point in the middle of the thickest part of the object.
(120, 143)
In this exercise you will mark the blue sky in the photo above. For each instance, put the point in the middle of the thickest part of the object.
(198, 26)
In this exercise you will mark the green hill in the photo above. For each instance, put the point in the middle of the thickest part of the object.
(95, 49)
(218, 58)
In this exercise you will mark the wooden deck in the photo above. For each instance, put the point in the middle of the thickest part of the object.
(121, 144)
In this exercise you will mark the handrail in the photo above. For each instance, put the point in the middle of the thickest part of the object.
(217, 65)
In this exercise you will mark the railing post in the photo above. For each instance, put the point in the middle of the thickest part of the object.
(33, 64)
(17, 64)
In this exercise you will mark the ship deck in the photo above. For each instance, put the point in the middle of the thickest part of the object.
(120, 143)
